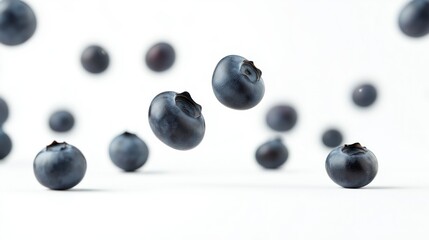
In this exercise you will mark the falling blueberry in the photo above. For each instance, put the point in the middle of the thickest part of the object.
(17, 22)
(95, 59)
(364, 95)
(128, 152)
(351, 166)
(281, 118)
(272, 154)
(4, 111)
(414, 18)
(59, 166)
(61, 121)
(5, 145)
(176, 119)
(332, 138)
(237, 83)
(160, 57)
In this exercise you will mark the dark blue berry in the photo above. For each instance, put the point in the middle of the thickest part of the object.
(4, 111)
(364, 95)
(176, 119)
(128, 152)
(59, 166)
(61, 121)
(414, 18)
(351, 166)
(272, 154)
(160, 57)
(5, 145)
(332, 138)
(17, 22)
(237, 83)
(281, 118)
(95, 59)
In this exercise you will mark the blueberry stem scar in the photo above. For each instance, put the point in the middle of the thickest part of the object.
(353, 149)
(249, 69)
(185, 102)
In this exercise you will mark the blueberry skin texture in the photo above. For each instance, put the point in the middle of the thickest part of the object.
(332, 138)
(128, 152)
(272, 154)
(5, 145)
(59, 166)
(17, 22)
(160, 57)
(95, 59)
(237, 83)
(413, 19)
(364, 95)
(351, 166)
(281, 118)
(177, 120)
(61, 121)
(4, 111)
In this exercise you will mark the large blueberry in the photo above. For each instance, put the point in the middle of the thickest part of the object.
(272, 154)
(95, 59)
(4, 111)
(17, 22)
(364, 95)
(5, 144)
(160, 57)
(237, 83)
(281, 118)
(414, 18)
(61, 121)
(176, 119)
(351, 166)
(59, 166)
(128, 152)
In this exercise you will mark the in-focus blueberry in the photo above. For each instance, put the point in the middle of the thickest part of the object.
(5, 145)
(332, 138)
(61, 121)
(95, 59)
(237, 83)
(176, 119)
(281, 118)
(272, 154)
(17, 22)
(128, 152)
(351, 166)
(4, 111)
(364, 95)
(59, 166)
(160, 57)
(414, 18)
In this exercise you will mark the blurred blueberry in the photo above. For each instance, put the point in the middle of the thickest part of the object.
(95, 59)
(272, 154)
(414, 18)
(160, 57)
(4, 111)
(128, 152)
(5, 144)
(364, 95)
(332, 138)
(281, 118)
(61, 121)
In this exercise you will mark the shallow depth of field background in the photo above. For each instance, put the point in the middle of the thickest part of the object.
(311, 53)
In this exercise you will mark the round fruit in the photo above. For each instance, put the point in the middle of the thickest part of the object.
(5, 145)
(128, 152)
(332, 138)
(160, 57)
(61, 121)
(95, 59)
(414, 18)
(364, 95)
(272, 154)
(281, 118)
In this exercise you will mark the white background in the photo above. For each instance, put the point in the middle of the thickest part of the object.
(311, 53)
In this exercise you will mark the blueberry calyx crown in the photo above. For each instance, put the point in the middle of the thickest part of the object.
(249, 69)
(185, 102)
(62, 145)
(128, 134)
(354, 149)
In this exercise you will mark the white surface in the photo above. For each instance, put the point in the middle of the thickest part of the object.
(311, 53)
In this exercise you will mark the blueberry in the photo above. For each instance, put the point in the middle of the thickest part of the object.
(5, 145)
(4, 111)
(237, 83)
(160, 57)
(128, 152)
(414, 18)
(95, 59)
(17, 22)
(351, 166)
(272, 154)
(177, 120)
(332, 138)
(59, 166)
(61, 121)
(281, 118)
(364, 95)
